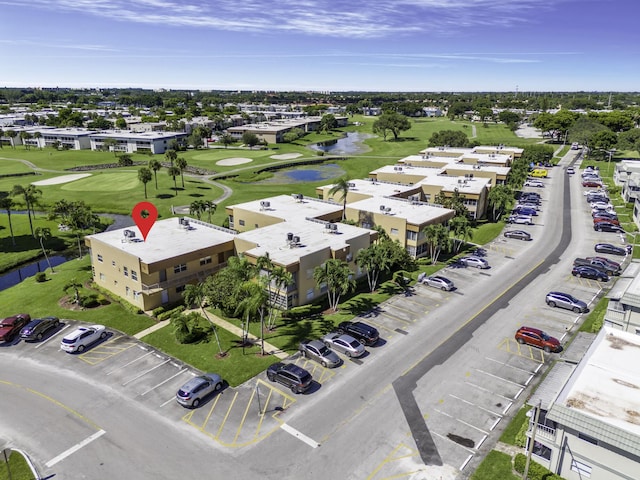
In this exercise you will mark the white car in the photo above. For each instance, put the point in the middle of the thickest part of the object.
(601, 205)
(438, 281)
(534, 183)
(82, 337)
(474, 262)
(521, 219)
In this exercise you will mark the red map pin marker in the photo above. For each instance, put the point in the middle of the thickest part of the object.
(145, 215)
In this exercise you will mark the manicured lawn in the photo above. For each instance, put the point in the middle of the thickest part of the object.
(486, 232)
(17, 467)
(595, 319)
(41, 299)
(496, 465)
(236, 368)
(509, 434)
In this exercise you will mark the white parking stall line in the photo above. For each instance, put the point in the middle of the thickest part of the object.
(503, 364)
(475, 405)
(487, 390)
(495, 424)
(529, 379)
(74, 449)
(538, 368)
(129, 363)
(477, 447)
(172, 399)
(145, 372)
(506, 409)
(498, 377)
(299, 435)
(444, 437)
(518, 394)
(460, 421)
(163, 382)
(464, 464)
(53, 336)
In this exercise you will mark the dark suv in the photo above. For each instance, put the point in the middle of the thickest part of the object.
(36, 329)
(365, 334)
(290, 375)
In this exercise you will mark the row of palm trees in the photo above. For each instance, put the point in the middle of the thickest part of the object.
(175, 169)
(12, 134)
(30, 195)
(198, 207)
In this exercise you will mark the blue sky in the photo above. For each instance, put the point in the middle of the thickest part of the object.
(374, 45)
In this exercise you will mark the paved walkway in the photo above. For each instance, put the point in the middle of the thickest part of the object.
(230, 327)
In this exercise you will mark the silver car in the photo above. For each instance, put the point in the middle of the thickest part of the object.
(438, 281)
(345, 344)
(318, 351)
(191, 393)
(564, 300)
(474, 262)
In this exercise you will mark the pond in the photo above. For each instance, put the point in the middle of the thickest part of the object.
(352, 143)
(306, 173)
(14, 277)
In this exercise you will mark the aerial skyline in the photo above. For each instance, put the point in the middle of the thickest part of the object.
(322, 45)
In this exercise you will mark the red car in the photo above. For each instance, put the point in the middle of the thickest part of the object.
(591, 183)
(538, 338)
(605, 219)
(11, 326)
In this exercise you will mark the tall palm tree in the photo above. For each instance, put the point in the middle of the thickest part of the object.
(38, 136)
(437, 237)
(254, 302)
(145, 176)
(337, 277)
(30, 195)
(173, 173)
(12, 134)
(43, 234)
(155, 165)
(281, 279)
(196, 208)
(171, 155)
(341, 187)
(181, 163)
(195, 294)
(6, 203)
(1, 135)
(210, 207)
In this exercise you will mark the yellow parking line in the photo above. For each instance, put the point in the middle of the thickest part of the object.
(244, 416)
(393, 458)
(224, 420)
(206, 420)
(262, 413)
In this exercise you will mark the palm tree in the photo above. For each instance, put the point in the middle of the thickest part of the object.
(337, 277)
(461, 229)
(195, 294)
(173, 173)
(75, 285)
(254, 302)
(210, 207)
(1, 135)
(499, 197)
(281, 279)
(373, 260)
(342, 188)
(30, 195)
(196, 208)
(38, 136)
(145, 176)
(181, 163)
(12, 134)
(43, 234)
(438, 239)
(6, 203)
(171, 155)
(155, 165)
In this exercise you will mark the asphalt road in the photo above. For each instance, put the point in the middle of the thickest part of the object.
(428, 402)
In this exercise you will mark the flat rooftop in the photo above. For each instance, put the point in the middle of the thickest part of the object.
(314, 237)
(498, 169)
(415, 213)
(135, 135)
(288, 208)
(166, 239)
(376, 188)
(606, 383)
(78, 132)
(473, 185)
(408, 170)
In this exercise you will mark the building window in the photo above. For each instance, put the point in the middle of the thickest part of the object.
(542, 450)
(582, 468)
(587, 438)
(102, 277)
(309, 273)
(394, 231)
(125, 270)
(127, 290)
(134, 275)
(220, 258)
(136, 295)
(205, 261)
(100, 258)
(241, 222)
(366, 225)
(412, 235)
(181, 288)
(180, 268)
(310, 294)
(113, 263)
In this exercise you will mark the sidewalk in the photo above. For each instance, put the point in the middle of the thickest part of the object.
(228, 326)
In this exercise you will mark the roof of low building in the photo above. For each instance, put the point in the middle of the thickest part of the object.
(415, 213)
(287, 208)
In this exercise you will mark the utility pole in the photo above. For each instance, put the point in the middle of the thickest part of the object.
(532, 440)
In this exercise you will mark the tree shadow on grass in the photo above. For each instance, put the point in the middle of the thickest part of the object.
(361, 305)
(164, 196)
(196, 195)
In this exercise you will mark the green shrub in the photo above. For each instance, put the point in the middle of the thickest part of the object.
(157, 311)
(102, 300)
(190, 328)
(41, 277)
(169, 313)
(89, 301)
(536, 471)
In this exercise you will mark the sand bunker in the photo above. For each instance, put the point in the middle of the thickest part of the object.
(233, 161)
(286, 156)
(61, 179)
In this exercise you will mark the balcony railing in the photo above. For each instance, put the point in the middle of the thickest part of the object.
(543, 431)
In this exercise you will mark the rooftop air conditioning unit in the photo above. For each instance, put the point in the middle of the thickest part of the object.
(129, 234)
(382, 208)
(334, 227)
(289, 237)
(471, 175)
(327, 226)
(264, 204)
(460, 180)
(296, 240)
(351, 185)
(387, 210)
(298, 196)
(184, 222)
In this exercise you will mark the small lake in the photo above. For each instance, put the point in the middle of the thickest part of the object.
(305, 173)
(14, 277)
(352, 143)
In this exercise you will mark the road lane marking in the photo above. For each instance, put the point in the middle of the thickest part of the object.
(299, 435)
(74, 449)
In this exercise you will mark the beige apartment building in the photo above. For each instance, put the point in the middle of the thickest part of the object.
(151, 273)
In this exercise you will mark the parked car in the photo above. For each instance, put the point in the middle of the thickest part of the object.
(363, 332)
(438, 281)
(537, 338)
(575, 146)
(600, 205)
(607, 227)
(526, 211)
(599, 191)
(290, 375)
(608, 215)
(345, 344)
(592, 273)
(519, 234)
(571, 170)
(598, 219)
(591, 183)
(520, 219)
(318, 351)
(564, 300)
(597, 196)
(472, 261)
(614, 266)
(600, 265)
(535, 206)
(82, 337)
(612, 249)
(37, 328)
(10, 327)
(534, 183)
(191, 393)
